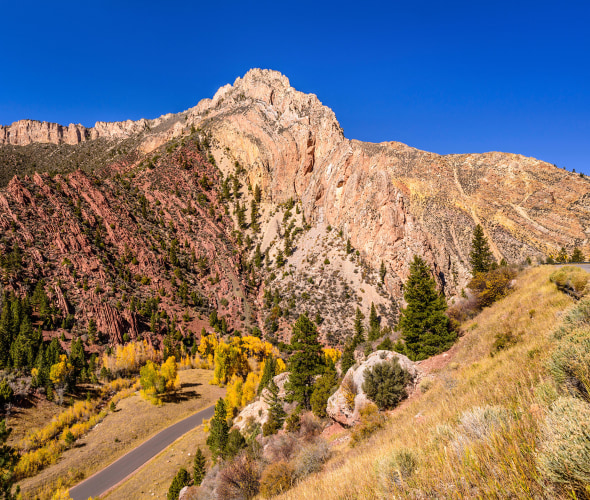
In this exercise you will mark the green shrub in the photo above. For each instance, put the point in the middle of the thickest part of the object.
(564, 457)
(324, 387)
(385, 384)
(276, 479)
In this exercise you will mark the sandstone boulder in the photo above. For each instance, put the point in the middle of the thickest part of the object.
(257, 412)
(339, 408)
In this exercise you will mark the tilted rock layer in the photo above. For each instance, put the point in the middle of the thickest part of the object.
(391, 200)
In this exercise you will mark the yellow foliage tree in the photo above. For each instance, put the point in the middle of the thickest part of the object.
(129, 358)
(59, 372)
(332, 354)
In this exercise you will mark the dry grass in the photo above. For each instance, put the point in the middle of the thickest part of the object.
(451, 462)
(134, 421)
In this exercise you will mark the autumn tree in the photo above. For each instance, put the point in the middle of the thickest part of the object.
(424, 326)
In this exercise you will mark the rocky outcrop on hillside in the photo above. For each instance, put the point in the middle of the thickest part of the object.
(392, 200)
(389, 200)
(143, 251)
(257, 412)
(345, 404)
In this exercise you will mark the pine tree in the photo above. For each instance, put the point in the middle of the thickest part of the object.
(270, 370)
(306, 361)
(219, 432)
(325, 386)
(359, 329)
(257, 194)
(480, 257)
(181, 480)
(347, 359)
(280, 258)
(258, 257)
(374, 324)
(423, 323)
(199, 467)
(23, 350)
(348, 246)
(382, 272)
(8, 459)
(577, 256)
(276, 414)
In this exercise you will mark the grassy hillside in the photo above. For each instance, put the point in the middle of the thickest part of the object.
(475, 432)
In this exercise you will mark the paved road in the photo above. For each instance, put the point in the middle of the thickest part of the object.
(104, 480)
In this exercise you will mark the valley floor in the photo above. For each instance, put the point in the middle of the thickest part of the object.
(134, 421)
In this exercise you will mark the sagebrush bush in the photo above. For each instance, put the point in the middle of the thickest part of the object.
(394, 469)
(482, 421)
(576, 318)
(570, 364)
(311, 458)
(276, 478)
(564, 456)
(370, 421)
(280, 447)
(572, 279)
(385, 384)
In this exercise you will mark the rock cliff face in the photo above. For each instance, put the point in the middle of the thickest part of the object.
(390, 200)
(24, 132)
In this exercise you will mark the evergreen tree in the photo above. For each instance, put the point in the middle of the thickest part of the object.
(306, 361)
(235, 443)
(77, 358)
(325, 386)
(23, 349)
(382, 272)
(181, 480)
(347, 359)
(359, 329)
(276, 414)
(280, 258)
(218, 431)
(258, 257)
(480, 257)
(257, 194)
(423, 323)
(8, 459)
(374, 324)
(577, 256)
(270, 370)
(5, 332)
(199, 467)
(348, 246)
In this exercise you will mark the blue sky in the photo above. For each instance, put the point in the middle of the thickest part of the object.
(448, 77)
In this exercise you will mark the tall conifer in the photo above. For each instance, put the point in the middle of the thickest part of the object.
(480, 257)
(423, 323)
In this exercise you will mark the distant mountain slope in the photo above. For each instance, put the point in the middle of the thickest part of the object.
(388, 200)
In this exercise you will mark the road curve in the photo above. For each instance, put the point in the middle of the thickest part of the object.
(110, 476)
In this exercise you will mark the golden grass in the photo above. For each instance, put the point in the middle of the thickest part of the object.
(134, 421)
(451, 462)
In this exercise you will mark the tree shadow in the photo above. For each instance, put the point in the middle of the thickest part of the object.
(179, 397)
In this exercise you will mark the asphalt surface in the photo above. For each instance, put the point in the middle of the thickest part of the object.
(102, 481)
